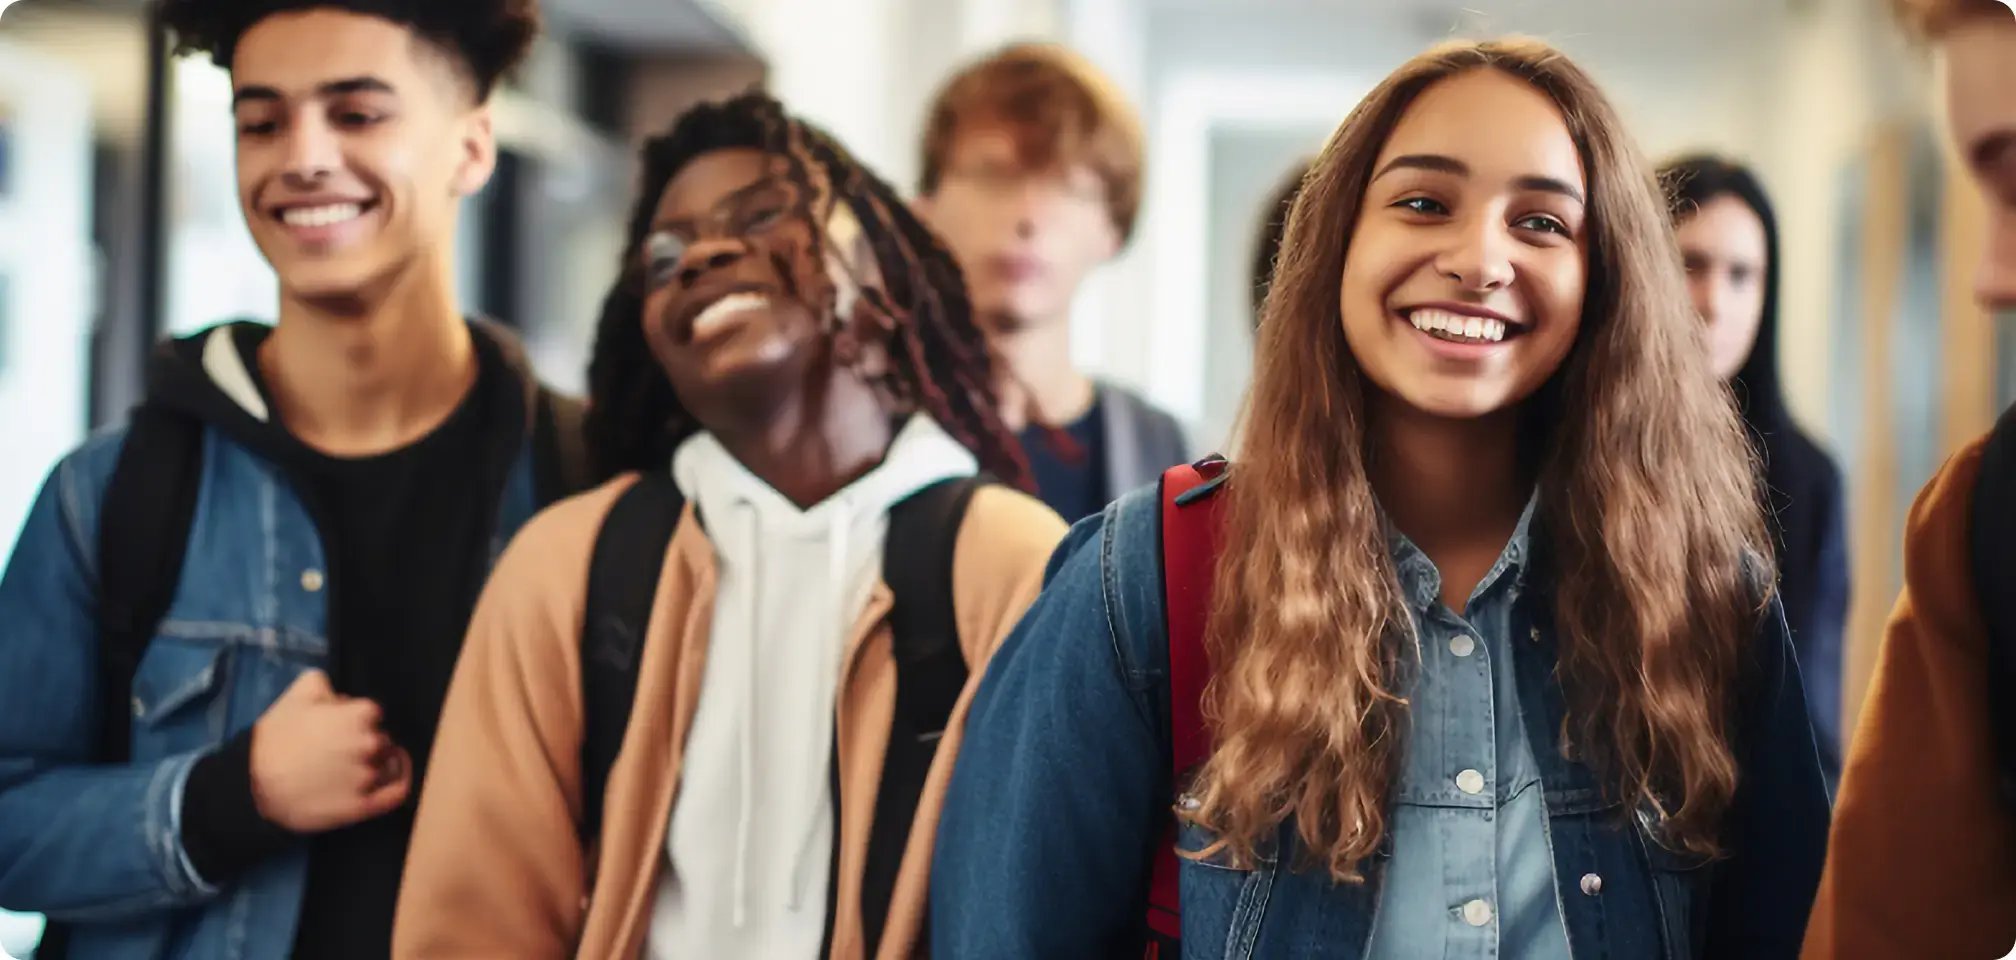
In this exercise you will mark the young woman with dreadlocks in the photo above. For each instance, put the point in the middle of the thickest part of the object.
(788, 369)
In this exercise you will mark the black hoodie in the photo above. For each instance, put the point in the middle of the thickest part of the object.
(407, 539)
(1806, 515)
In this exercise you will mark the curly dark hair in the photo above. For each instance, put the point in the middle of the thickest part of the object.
(485, 38)
(939, 359)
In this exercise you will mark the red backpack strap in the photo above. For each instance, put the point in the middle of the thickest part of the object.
(1191, 533)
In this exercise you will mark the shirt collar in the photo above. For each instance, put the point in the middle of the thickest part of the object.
(1421, 583)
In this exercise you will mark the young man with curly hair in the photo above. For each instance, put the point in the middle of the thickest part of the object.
(1922, 861)
(231, 774)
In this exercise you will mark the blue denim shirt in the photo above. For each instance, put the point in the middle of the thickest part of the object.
(99, 846)
(1471, 874)
(1060, 800)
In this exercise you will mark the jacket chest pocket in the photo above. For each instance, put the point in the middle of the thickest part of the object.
(1223, 904)
(1610, 899)
(177, 703)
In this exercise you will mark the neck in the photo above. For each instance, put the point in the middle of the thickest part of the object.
(1039, 384)
(1454, 487)
(811, 450)
(368, 375)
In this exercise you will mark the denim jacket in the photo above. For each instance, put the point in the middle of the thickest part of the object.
(98, 847)
(1061, 798)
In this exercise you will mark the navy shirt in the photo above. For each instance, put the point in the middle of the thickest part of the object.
(1074, 486)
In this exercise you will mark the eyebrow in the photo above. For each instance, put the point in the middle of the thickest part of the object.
(738, 193)
(1437, 163)
(334, 88)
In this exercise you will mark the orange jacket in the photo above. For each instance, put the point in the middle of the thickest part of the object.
(1922, 860)
(496, 868)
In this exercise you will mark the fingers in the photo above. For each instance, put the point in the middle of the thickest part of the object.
(311, 685)
(397, 783)
(363, 712)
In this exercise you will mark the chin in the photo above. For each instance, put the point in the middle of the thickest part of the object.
(325, 280)
(1458, 401)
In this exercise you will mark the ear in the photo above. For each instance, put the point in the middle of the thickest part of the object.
(1108, 236)
(479, 152)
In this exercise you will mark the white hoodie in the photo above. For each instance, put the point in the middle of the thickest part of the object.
(751, 838)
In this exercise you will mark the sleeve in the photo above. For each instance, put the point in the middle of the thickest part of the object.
(1923, 852)
(1777, 823)
(1053, 810)
(496, 866)
(79, 841)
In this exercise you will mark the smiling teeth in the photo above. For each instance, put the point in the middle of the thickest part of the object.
(328, 216)
(720, 311)
(1456, 326)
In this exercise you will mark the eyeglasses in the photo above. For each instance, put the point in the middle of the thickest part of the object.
(747, 214)
(999, 180)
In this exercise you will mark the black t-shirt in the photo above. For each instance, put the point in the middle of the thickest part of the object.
(406, 537)
(404, 534)
(1075, 487)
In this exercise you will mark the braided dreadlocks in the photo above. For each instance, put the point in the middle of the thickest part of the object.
(939, 360)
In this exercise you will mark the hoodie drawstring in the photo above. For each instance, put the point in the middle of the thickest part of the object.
(745, 760)
(840, 524)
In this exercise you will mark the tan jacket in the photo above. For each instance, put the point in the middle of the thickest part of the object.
(496, 868)
(1922, 860)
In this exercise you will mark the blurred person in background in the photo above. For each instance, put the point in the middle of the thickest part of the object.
(1923, 861)
(1273, 223)
(228, 628)
(1032, 174)
(1729, 243)
(793, 410)
(1472, 654)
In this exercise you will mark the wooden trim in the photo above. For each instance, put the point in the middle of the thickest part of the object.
(1968, 332)
(1875, 526)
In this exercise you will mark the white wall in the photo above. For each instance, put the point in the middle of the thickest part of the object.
(865, 70)
(45, 256)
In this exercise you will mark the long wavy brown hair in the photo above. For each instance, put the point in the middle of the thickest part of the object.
(1655, 545)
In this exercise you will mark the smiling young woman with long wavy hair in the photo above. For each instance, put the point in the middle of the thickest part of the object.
(1495, 668)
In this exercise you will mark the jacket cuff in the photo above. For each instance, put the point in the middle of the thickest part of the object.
(221, 829)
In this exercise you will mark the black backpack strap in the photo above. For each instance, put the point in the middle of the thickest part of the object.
(559, 447)
(622, 583)
(143, 533)
(931, 673)
(1991, 532)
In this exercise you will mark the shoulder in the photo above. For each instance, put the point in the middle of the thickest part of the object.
(1127, 403)
(1818, 474)
(1939, 516)
(998, 561)
(560, 537)
(1015, 528)
(92, 462)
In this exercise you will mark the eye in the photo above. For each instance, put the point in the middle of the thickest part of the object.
(762, 218)
(257, 128)
(358, 119)
(662, 252)
(1543, 223)
(1423, 205)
